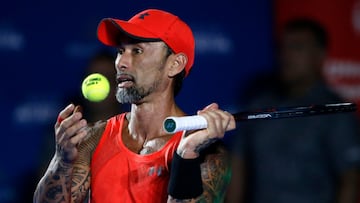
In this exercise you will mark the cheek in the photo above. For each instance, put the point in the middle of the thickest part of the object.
(150, 66)
(117, 62)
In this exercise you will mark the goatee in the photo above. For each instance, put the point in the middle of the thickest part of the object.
(130, 95)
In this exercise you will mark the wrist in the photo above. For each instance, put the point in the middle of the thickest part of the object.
(187, 154)
(186, 150)
(62, 161)
(57, 165)
(185, 178)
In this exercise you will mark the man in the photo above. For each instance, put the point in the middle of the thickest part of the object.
(312, 159)
(129, 157)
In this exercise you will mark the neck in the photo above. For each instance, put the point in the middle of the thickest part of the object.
(146, 119)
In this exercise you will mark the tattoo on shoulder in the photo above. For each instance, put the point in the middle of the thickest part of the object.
(215, 172)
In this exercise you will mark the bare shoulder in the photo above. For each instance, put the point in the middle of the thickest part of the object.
(216, 152)
(215, 171)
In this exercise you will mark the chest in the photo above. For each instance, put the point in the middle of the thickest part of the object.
(146, 146)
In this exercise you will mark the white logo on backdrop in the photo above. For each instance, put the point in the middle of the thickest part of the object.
(356, 17)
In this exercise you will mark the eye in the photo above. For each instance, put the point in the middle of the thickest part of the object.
(137, 51)
(120, 51)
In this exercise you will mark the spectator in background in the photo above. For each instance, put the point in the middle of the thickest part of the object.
(298, 160)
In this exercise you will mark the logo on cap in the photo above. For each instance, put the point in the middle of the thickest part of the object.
(142, 16)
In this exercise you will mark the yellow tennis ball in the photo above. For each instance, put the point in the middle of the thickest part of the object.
(95, 87)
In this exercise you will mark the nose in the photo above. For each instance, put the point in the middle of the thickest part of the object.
(122, 61)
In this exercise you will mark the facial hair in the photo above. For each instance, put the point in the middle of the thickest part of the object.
(134, 94)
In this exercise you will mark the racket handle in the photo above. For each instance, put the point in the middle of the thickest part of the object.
(176, 124)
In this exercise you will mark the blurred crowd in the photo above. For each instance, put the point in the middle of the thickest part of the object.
(305, 159)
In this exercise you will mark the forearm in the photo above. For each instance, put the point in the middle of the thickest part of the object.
(204, 198)
(185, 179)
(55, 185)
(67, 178)
(213, 191)
(215, 175)
(173, 200)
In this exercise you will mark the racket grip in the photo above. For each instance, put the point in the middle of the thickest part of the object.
(176, 124)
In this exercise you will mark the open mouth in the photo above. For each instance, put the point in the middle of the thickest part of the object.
(124, 80)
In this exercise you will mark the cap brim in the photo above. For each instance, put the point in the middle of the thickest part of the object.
(111, 32)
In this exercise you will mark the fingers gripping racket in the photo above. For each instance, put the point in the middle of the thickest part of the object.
(175, 124)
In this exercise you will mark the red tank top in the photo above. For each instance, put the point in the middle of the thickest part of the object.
(120, 175)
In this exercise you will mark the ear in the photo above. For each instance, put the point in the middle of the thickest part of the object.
(178, 63)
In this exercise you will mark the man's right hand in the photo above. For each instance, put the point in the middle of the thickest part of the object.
(69, 132)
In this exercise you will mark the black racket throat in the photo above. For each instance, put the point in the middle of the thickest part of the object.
(298, 111)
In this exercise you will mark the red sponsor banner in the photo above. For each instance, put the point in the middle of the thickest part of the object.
(341, 18)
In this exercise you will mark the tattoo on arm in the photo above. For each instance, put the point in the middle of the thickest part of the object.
(80, 182)
(215, 172)
(69, 182)
(53, 187)
(81, 177)
(205, 144)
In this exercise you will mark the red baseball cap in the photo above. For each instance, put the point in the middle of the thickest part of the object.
(151, 25)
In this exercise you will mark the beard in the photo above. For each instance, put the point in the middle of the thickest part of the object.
(134, 94)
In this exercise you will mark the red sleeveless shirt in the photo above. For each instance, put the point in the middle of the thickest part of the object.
(120, 175)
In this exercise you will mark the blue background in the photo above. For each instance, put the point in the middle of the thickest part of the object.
(45, 46)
